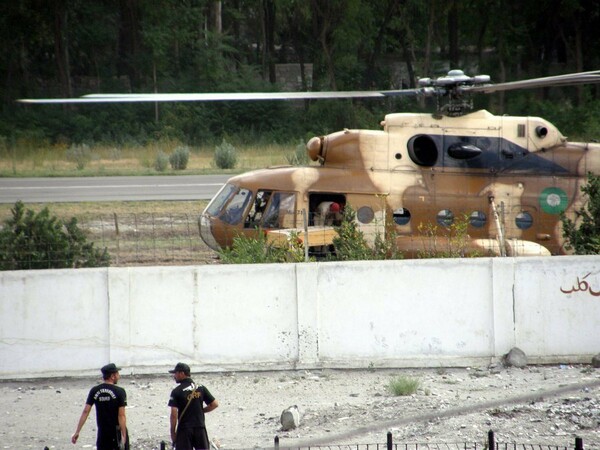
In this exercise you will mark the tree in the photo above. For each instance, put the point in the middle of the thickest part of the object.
(40, 241)
(585, 238)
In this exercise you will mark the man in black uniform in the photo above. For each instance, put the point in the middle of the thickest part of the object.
(110, 401)
(188, 429)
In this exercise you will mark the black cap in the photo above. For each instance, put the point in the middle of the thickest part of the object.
(110, 368)
(181, 367)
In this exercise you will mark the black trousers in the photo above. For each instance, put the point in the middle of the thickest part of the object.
(193, 438)
(110, 441)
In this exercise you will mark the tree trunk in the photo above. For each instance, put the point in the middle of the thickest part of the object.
(216, 17)
(453, 50)
(268, 27)
(129, 41)
(430, 28)
(323, 26)
(392, 8)
(61, 49)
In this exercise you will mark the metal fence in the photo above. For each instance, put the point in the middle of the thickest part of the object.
(174, 239)
(149, 239)
(488, 443)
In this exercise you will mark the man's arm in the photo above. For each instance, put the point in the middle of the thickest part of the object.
(213, 405)
(173, 420)
(84, 415)
(123, 424)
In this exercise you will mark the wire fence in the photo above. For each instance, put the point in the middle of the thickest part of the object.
(174, 239)
(149, 239)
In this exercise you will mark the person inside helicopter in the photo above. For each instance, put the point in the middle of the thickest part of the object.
(328, 213)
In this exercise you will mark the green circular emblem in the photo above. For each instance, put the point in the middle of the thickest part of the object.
(553, 200)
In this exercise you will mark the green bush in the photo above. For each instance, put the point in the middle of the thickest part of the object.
(161, 162)
(256, 250)
(179, 158)
(403, 386)
(225, 155)
(582, 235)
(40, 241)
(299, 157)
(350, 243)
(80, 155)
(247, 250)
(455, 243)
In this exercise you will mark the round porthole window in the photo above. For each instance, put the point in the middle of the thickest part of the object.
(365, 214)
(401, 216)
(445, 217)
(524, 220)
(477, 219)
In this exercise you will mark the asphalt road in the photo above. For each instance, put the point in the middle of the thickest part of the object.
(95, 189)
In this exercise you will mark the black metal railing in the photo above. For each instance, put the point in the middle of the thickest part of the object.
(490, 444)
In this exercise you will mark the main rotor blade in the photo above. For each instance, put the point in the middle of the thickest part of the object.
(570, 79)
(210, 97)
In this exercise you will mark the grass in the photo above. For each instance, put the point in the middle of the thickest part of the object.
(403, 385)
(86, 211)
(137, 233)
(28, 159)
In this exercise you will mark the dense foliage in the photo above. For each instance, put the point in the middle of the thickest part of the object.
(582, 235)
(31, 240)
(257, 250)
(69, 48)
(350, 243)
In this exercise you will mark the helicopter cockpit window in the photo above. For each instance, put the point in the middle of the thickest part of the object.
(423, 150)
(257, 210)
(236, 207)
(281, 211)
(524, 220)
(401, 216)
(445, 217)
(477, 219)
(220, 199)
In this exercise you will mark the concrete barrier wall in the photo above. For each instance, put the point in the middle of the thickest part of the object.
(438, 312)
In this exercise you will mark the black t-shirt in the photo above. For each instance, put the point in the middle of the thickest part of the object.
(194, 415)
(108, 398)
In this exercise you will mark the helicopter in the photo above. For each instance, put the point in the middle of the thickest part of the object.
(510, 178)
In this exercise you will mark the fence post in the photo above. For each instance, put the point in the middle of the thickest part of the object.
(578, 443)
(491, 440)
(389, 440)
(276, 445)
(305, 226)
(117, 234)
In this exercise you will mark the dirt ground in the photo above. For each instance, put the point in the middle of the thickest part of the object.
(549, 405)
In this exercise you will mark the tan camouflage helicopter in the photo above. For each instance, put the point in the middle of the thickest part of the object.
(509, 178)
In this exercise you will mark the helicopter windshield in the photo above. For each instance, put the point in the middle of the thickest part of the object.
(216, 205)
(269, 209)
(229, 204)
(237, 205)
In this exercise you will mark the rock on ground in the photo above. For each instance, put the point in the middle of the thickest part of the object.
(532, 405)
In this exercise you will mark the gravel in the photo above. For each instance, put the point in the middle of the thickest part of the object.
(543, 405)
